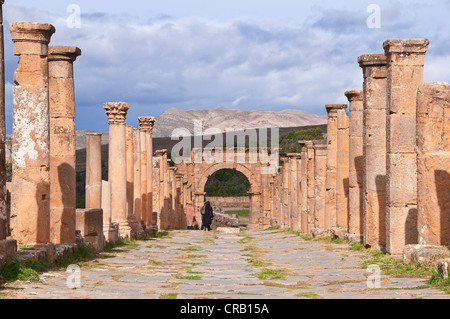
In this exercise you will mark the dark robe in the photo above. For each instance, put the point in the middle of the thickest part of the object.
(208, 217)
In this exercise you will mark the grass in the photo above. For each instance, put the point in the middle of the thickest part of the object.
(192, 248)
(189, 277)
(154, 262)
(14, 269)
(168, 296)
(240, 213)
(111, 247)
(271, 274)
(310, 295)
(82, 254)
(357, 246)
(245, 240)
(438, 281)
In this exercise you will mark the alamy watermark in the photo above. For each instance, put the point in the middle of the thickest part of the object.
(74, 278)
(374, 279)
(243, 146)
(374, 19)
(74, 19)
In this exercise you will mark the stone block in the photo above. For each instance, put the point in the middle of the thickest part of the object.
(443, 266)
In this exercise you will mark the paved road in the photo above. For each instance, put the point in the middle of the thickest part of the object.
(195, 264)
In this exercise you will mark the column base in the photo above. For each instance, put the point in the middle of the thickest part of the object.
(339, 232)
(111, 232)
(354, 238)
(319, 233)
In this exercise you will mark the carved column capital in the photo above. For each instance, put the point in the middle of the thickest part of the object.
(116, 112)
(146, 123)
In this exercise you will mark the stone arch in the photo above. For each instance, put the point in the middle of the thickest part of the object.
(254, 185)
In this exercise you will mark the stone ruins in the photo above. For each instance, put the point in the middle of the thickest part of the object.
(381, 177)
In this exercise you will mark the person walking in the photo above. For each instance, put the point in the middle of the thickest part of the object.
(209, 216)
(189, 212)
(202, 214)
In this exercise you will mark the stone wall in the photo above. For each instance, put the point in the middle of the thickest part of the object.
(225, 202)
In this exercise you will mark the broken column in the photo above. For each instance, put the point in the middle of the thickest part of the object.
(374, 150)
(132, 221)
(62, 143)
(355, 194)
(342, 171)
(93, 170)
(117, 165)
(30, 195)
(304, 190)
(405, 61)
(144, 183)
(433, 159)
(310, 185)
(330, 198)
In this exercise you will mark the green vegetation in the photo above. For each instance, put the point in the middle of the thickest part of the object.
(168, 296)
(289, 142)
(227, 183)
(82, 254)
(240, 213)
(193, 277)
(271, 274)
(309, 295)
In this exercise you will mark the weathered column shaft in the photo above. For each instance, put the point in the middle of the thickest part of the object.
(3, 192)
(433, 158)
(355, 181)
(62, 144)
(320, 176)
(93, 170)
(304, 191)
(144, 183)
(342, 170)
(30, 194)
(117, 166)
(330, 198)
(405, 60)
(374, 149)
(137, 192)
(310, 185)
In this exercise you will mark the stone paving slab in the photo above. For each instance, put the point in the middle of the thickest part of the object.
(212, 265)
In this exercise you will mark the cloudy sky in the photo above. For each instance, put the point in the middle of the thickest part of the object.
(247, 54)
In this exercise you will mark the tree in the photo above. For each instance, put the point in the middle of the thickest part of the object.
(289, 142)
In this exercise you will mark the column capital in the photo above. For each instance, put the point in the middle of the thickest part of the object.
(354, 95)
(419, 46)
(368, 60)
(63, 53)
(161, 152)
(116, 112)
(94, 134)
(146, 123)
(332, 108)
(31, 38)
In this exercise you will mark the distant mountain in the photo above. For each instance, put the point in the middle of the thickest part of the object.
(223, 118)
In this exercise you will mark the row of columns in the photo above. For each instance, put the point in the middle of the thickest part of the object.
(382, 177)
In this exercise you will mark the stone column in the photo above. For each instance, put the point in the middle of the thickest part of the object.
(342, 172)
(355, 194)
(310, 185)
(30, 194)
(144, 183)
(132, 221)
(117, 166)
(405, 60)
(293, 183)
(330, 199)
(285, 191)
(146, 124)
(304, 190)
(110, 229)
(137, 206)
(374, 150)
(433, 158)
(93, 170)
(3, 192)
(320, 178)
(62, 144)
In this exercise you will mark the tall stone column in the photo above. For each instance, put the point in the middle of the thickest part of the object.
(342, 172)
(62, 144)
(147, 123)
(30, 194)
(320, 178)
(405, 60)
(374, 150)
(132, 221)
(3, 193)
(144, 183)
(137, 192)
(293, 184)
(355, 181)
(433, 158)
(117, 166)
(330, 199)
(285, 191)
(93, 170)
(304, 190)
(310, 185)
